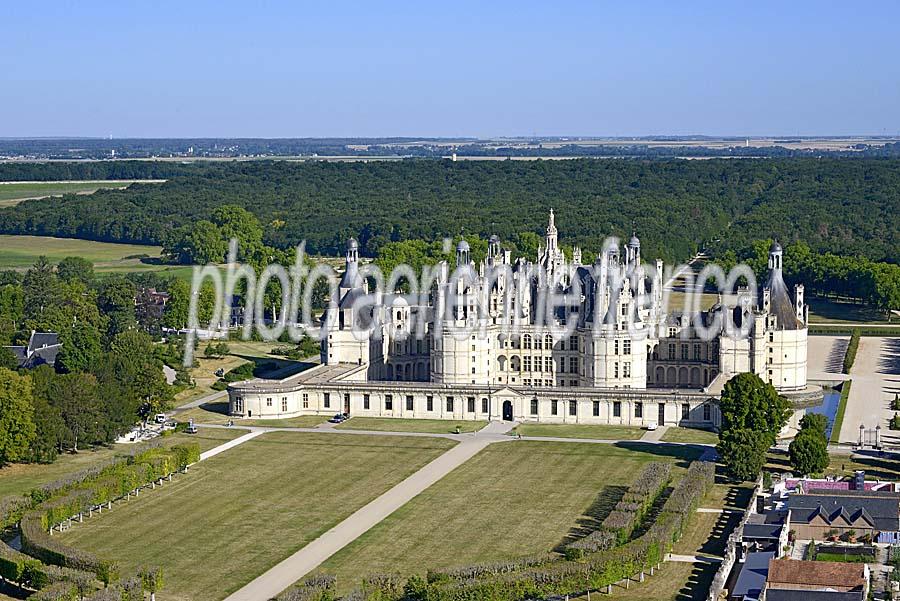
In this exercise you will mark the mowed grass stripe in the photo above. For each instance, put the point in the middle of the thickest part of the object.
(513, 499)
(236, 515)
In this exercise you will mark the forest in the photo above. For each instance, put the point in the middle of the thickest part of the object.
(847, 207)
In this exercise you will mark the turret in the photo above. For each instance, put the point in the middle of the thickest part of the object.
(462, 253)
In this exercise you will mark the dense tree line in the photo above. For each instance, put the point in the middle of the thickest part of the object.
(106, 374)
(843, 206)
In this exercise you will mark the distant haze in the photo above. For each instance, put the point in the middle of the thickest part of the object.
(450, 69)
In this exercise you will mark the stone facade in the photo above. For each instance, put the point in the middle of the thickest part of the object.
(484, 339)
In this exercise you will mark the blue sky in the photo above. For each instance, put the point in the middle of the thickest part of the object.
(452, 68)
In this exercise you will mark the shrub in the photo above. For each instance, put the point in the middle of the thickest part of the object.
(850, 356)
(62, 591)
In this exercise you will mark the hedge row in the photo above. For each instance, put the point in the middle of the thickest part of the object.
(314, 588)
(563, 577)
(850, 356)
(25, 570)
(631, 509)
(104, 486)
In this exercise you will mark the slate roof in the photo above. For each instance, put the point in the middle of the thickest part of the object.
(752, 578)
(775, 594)
(780, 302)
(881, 509)
(43, 347)
(757, 531)
(821, 574)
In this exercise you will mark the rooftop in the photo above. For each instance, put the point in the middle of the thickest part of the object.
(795, 572)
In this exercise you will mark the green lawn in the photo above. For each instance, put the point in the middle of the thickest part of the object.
(12, 193)
(235, 515)
(22, 477)
(20, 252)
(599, 432)
(678, 434)
(825, 310)
(392, 424)
(513, 499)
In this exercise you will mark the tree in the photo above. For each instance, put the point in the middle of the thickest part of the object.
(75, 397)
(815, 422)
(752, 415)
(198, 244)
(75, 269)
(743, 452)
(8, 359)
(16, 416)
(152, 581)
(116, 301)
(808, 452)
(748, 402)
(40, 286)
(81, 348)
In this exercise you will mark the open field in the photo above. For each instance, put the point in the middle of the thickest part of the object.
(599, 432)
(20, 252)
(677, 434)
(883, 468)
(12, 193)
(22, 477)
(512, 499)
(389, 424)
(235, 515)
(828, 311)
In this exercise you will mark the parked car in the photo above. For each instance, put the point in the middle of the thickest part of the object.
(191, 429)
(160, 418)
(652, 426)
(338, 418)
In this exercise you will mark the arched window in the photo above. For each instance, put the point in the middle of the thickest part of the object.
(526, 341)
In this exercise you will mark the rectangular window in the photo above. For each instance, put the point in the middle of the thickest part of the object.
(707, 413)
(429, 403)
(626, 369)
(573, 382)
(239, 405)
(562, 365)
(573, 343)
(327, 400)
(639, 410)
(449, 404)
(284, 405)
(573, 407)
(554, 407)
(616, 369)
(534, 406)
(471, 403)
(409, 402)
(615, 347)
(548, 364)
(617, 408)
(696, 352)
(388, 402)
(268, 401)
(684, 352)
(365, 401)
(596, 408)
(685, 411)
(671, 351)
(573, 365)
(626, 347)
(526, 361)
(305, 400)
(484, 405)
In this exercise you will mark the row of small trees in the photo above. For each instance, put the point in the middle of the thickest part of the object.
(65, 572)
(537, 577)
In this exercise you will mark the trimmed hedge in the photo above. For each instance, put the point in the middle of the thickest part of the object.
(850, 356)
(637, 501)
(839, 414)
(72, 498)
(567, 577)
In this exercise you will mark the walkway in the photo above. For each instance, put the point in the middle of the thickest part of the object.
(693, 558)
(876, 379)
(230, 444)
(654, 435)
(309, 557)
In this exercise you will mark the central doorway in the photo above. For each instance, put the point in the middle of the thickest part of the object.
(507, 411)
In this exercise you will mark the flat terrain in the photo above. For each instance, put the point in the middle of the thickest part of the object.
(235, 515)
(876, 379)
(22, 477)
(388, 424)
(826, 310)
(512, 499)
(20, 252)
(12, 193)
(676, 434)
(599, 432)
